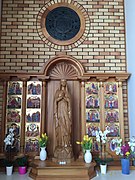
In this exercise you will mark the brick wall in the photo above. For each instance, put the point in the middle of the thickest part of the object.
(1, 102)
(22, 50)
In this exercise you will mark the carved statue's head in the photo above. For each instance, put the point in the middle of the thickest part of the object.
(63, 83)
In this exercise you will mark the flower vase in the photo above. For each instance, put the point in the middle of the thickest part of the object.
(43, 154)
(87, 156)
(125, 163)
(103, 168)
(9, 170)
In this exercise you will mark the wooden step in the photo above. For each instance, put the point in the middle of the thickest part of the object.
(48, 170)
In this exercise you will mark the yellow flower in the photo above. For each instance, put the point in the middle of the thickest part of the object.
(77, 142)
(85, 138)
(90, 140)
(43, 135)
(127, 153)
(86, 143)
(43, 140)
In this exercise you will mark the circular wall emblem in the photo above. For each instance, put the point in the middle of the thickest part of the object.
(63, 25)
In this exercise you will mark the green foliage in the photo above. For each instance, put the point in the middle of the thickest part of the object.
(43, 140)
(22, 161)
(86, 143)
(8, 159)
(8, 163)
(103, 161)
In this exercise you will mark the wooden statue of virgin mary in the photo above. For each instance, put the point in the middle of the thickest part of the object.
(63, 124)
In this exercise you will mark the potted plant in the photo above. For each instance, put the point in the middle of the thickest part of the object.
(42, 144)
(125, 152)
(22, 164)
(103, 159)
(8, 163)
(9, 149)
(86, 145)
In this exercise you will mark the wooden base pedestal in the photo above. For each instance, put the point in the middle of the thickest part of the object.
(48, 170)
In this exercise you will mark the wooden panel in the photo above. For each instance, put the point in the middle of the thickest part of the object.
(74, 90)
(49, 124)
(77, 170)
(74, 87)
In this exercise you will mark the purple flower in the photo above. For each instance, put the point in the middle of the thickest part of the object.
(124, 149)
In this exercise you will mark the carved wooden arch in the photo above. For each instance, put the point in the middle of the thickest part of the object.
(57, 68)
(63, 67)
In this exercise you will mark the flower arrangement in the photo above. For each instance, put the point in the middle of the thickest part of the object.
(9, 139)
(124, 150)
(86, 143)
(9, 147)
(102, 139)
(43, 140)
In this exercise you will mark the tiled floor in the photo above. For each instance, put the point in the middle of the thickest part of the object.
(15, 176)
(115, 175)
(111, 175)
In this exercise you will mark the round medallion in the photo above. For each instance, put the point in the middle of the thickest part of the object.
(62, 23)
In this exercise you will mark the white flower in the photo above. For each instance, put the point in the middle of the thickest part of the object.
(119, 141)
(98, 139)
(132, 148)
(103, 141)
(132, 144)
(132, 139)
(102, 136)
(118, 150)
(113, 141)
(10, 137)
(100, 133)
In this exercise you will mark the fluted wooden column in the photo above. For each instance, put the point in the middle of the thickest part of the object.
(120, 105)
(43, 102)
(83, 113)
(102, 114)
(22, 135)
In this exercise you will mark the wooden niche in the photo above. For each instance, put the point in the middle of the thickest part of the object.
(68, 70)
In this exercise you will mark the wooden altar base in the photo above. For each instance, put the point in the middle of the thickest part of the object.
(48, 170)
